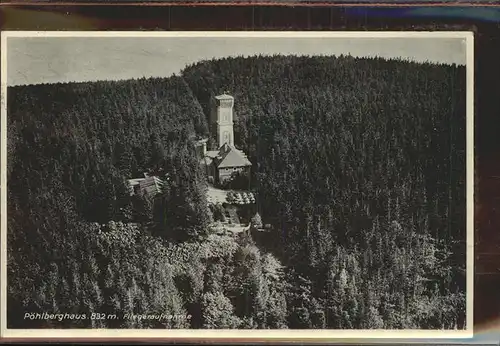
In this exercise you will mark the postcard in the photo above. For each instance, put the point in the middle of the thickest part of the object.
(237, 184)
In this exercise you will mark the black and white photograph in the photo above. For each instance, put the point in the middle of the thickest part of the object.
(236, 182)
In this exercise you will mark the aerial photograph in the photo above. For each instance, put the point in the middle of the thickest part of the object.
(236, 183)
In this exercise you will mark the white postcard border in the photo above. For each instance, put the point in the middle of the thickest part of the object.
(312, 335)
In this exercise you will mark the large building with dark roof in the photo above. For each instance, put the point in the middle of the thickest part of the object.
(226, 161)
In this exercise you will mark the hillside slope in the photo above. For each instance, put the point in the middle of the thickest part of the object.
(361, 154)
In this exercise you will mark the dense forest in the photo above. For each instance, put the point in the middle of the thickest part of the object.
(359, 165)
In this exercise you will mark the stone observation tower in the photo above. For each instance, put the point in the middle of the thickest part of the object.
(222, 119)
(225, 161)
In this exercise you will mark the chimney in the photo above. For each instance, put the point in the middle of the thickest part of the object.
(201, 147)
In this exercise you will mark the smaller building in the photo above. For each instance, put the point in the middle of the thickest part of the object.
(147, 185)
(224, 163)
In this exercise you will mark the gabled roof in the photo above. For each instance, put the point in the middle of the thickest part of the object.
(229, 156)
